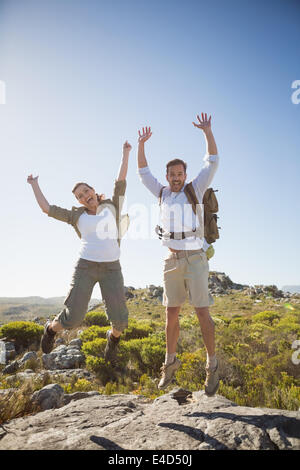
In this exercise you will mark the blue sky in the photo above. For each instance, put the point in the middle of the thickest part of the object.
(83, 76)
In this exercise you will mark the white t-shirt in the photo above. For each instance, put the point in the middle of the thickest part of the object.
(99, 234)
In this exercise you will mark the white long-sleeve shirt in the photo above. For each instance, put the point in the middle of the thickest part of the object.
(176, 211)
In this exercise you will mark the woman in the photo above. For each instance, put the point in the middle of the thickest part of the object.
(98, 260)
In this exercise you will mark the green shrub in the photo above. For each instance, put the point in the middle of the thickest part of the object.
(94, 348)
(96, 318)
(93, 332)
(289, 323)
(191, 374)
(23, 333)
(79, 385)
(94, 353)
(148, 387)
(118, 387)
(147, 353)
(17, 403)
(137, 330)
(266, 317)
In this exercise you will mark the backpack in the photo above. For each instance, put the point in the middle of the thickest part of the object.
(211, 206)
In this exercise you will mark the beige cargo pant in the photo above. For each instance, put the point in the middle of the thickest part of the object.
(86, 275)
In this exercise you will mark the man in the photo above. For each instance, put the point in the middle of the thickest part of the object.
(186, 266)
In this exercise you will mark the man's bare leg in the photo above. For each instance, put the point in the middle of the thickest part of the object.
(208, 331)
(171, 363)
(172, 329)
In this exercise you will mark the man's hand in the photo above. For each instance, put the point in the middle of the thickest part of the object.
(126, 147)
(204, 124)
(32, 179)
(145, 135)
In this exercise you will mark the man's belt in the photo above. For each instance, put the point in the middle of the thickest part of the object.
(184, 253)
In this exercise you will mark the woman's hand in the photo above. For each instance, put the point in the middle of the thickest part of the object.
(126, 147)
(32, 179)
(124, 162)
(204, 124)
(145, 135)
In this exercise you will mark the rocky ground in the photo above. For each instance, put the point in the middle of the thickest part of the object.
(177, 420)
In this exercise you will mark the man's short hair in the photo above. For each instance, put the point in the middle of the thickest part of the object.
(176, 161)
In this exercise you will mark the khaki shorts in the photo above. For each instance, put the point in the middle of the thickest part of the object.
(186, 272)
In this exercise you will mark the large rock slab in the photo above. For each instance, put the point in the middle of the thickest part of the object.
(178, 420)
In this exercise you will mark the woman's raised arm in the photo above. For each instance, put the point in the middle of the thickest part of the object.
(124, 163)
(42, 201)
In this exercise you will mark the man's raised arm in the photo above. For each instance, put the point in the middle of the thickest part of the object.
(205, 125)
(211, 159)
(142, 162)
(145, 174)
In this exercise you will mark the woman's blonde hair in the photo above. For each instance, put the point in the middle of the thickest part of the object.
(100, 197)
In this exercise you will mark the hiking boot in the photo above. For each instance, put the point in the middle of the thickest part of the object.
(168, 372)
(212, 380)
(110, 353)
(48, 339)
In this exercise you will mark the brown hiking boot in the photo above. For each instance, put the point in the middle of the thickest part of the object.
(168, 372)
(212, 380)
(48, 339)
(110, 353)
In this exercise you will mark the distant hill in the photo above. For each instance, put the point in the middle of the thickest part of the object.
(35, 300)
(27, 308)
(31, 300)
(291, 289)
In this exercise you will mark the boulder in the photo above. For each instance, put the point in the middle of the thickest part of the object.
(220, 284)
(11, 368)
(75, 343)
(154, 291)
(128, 293)
(51, 396)
(7, 351)
(59, 341)
(64, 357)
(27, 356)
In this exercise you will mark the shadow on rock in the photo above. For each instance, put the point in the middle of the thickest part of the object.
(195, 434)
(288, 427)
(105, 443)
